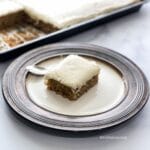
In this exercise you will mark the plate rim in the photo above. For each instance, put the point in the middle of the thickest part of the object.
(17, 110)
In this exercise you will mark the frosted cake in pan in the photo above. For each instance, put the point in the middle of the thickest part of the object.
(25, 20)
(51, 15)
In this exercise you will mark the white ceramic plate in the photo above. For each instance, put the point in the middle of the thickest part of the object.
(108, 93)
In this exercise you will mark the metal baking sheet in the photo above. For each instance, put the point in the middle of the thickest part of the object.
(59, 35)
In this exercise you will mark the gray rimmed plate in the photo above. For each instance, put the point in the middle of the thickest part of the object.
(121, 92)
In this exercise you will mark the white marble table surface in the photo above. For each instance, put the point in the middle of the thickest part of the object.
(130, 36)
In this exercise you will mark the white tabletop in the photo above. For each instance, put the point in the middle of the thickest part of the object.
(130, 36)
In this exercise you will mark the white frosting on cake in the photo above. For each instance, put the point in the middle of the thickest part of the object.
(8, 7)
(74, 71)
(64, 13)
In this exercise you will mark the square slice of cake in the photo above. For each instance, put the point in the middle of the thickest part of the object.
(72, 77)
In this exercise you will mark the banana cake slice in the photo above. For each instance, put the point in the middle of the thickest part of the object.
(72, 77)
